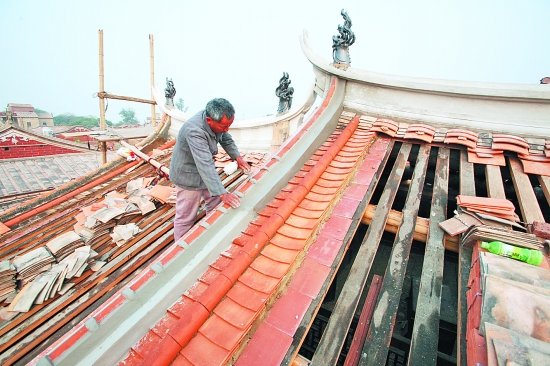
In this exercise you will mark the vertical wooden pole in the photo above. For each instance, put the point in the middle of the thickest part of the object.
(101, 100)
(152, 66)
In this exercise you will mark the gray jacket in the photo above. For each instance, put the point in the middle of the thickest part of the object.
(192, 166)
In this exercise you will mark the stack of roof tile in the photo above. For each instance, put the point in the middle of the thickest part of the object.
(501, 208)
(64, 244)
(461, 137)
(498, 333)
(7, 279)
(420, 132)
(510, 143)
(386, 126)
(123, 233)
(31, 264)
(162, 193)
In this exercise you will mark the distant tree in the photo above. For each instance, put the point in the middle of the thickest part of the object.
(69, 119)
(181, 106)
(37, 111)
(128, 116)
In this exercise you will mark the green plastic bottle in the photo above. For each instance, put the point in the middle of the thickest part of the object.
(530, 256)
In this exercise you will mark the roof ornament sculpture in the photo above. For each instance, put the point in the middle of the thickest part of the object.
(169, 92)
(342, 41)
(284, 91)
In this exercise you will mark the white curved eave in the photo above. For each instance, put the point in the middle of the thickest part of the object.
(520, 109)
(255, 134)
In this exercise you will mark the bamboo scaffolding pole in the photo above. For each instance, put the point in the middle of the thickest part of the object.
(101, 100)
(106, 95)
(152, 66)
(145, 157)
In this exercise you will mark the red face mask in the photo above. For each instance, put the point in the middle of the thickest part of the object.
(221, 126)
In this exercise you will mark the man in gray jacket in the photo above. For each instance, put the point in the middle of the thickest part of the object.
(192, 167)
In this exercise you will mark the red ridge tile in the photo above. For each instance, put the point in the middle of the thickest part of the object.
(215, 292)
(237, 266)
(190, 321)
(147, 344)
(180, 361)
(308, 213)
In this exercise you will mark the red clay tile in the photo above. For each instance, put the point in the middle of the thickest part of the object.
(336, 227)
(496, 159)
(212, 216)
(258, 281)
(460, 140)
(141, 279)
(190, 321)
(169, 254)
(194, 233)
(234, 250)
(338, 171)
(324, 249)
(209, 275)
(268, 345)
(364, 176)
(346, 207)
(108, 307)
(164, 324)
(269, 267)
(280, 254)
(242, 239)
(221, 263)
(356, 191)
(308, 213)
(202, 351)
(196, 290)
(324, 190)
(287, 243)
(319, 197)
(68, 341)
(215, 292)
(295, 232)
(310, 277)
(288, 311)
(247, 297)
(302, 222)
(222, 333)
(329, 183)
(536, 167)
(133, 358)
(180, 361)
(180, 306)
(259, 174)
(235, 314)
(147, 344)
(245, 187)
(313, 205)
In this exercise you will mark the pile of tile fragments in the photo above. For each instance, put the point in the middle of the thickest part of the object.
(100, 229)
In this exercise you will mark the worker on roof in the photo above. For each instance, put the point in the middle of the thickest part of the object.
(192, 167)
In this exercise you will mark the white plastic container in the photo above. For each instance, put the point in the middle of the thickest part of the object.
(230, 168)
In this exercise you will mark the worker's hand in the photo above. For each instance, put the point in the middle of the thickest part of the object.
(243, 165)
(231, 199)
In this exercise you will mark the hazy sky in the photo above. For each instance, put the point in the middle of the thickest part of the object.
(239, 49)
